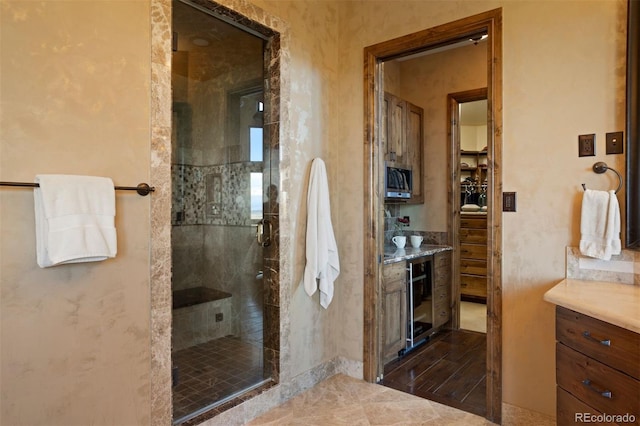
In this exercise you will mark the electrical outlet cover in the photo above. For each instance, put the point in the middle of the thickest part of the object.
(587, 145)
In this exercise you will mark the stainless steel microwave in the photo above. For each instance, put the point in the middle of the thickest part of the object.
(398, 183)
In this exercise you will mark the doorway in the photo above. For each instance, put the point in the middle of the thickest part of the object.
(376, 56)
(468, 135)
(224, 215)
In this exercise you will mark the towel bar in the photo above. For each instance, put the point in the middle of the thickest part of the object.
(142, 188)
(601, 167)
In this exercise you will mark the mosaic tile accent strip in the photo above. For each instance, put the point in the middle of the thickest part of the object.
(212, 195)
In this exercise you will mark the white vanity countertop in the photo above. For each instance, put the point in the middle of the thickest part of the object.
(393, 254)
(615, 303)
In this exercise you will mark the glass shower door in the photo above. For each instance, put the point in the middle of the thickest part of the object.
(222, 195)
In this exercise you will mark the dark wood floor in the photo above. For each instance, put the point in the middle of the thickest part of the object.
(449, 369)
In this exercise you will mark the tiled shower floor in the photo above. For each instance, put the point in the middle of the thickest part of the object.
(212, 371)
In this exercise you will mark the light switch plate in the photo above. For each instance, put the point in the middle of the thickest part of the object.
(615, 143)
(508, 201)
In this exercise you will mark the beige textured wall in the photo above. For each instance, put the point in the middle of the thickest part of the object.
(75, 100)
(566, 82)
(563, 76)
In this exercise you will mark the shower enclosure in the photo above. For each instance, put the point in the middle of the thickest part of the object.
(224, 193)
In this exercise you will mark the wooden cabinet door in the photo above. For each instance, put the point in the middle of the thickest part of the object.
(414, 157)
(384, 126)
(402, 137)
(396, 140)
(394, 310)
(442, 288)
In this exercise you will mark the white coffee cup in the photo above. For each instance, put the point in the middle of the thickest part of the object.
(416, 240)
(399, 241)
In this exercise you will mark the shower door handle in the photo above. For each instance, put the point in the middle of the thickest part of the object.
(264, 239)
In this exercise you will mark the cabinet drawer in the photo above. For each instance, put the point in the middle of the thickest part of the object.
(589, 380)
(394, 271)
(570, 409)
(473, 267)
(615, 346)
(473, 285)
(477, 236)
(473, 222)
(473, 251)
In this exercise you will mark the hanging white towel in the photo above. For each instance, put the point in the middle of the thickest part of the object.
(600, 224)
(323, 264)
(74, 219)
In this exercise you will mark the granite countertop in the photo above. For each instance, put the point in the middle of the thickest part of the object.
(615, 303)
(393, 254)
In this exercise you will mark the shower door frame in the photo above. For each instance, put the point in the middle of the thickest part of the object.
(160, 384)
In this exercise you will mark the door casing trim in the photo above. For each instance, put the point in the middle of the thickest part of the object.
(491, 22)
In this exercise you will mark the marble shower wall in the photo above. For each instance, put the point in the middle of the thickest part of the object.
(216, 248)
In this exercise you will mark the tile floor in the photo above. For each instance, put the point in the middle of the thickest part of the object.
(210, 372)
(343, 400)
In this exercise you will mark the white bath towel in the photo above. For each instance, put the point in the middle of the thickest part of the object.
(74, 219)
(323, 264)
(600, 224)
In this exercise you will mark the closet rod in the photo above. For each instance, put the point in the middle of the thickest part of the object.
(142, 188)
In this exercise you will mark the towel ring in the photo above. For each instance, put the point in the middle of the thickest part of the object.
(601, 167)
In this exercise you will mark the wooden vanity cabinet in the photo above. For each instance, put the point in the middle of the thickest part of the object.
(473, 257)
(402, 139)
(597, 369)
(394, 310)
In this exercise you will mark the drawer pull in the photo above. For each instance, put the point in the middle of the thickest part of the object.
(605, 393)
(588, 335)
